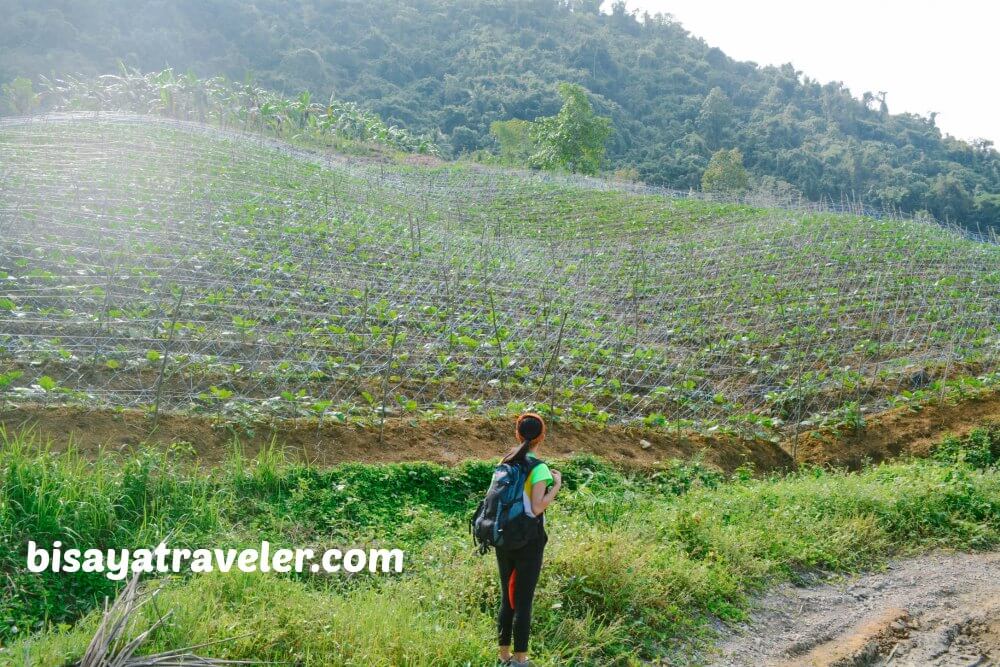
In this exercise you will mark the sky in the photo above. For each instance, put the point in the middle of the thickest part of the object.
(928, 56)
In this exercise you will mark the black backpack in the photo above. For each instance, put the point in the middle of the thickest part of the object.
(500, 520)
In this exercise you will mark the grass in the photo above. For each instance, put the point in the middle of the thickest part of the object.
(637, 563)
(980, 448)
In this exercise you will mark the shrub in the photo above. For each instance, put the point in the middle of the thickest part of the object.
(980, 449)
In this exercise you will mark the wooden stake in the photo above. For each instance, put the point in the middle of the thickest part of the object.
(552, 359)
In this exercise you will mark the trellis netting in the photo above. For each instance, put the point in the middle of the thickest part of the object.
(156, 263)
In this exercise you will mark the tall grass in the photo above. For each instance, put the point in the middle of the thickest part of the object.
(636, 565)
(116, 503)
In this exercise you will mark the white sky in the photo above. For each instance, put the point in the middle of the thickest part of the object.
(929, 56)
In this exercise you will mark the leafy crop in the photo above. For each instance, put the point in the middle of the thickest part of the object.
(229, 104)
(154, 262)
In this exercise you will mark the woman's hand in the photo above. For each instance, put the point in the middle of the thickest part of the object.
(541, 495)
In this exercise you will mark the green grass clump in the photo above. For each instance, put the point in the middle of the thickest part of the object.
(47, 497)
(636, 565)
(980, 449)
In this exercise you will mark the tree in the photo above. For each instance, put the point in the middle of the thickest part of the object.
(464, 140)
(19, 96)
(574, 138)
(585, 6)
(883, 108)
(513, 136)
(950, 200)
(988, 210)
(725, 173)
(715, 116)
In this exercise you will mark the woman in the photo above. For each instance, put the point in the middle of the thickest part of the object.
(519, 568)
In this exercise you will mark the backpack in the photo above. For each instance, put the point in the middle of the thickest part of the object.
(500, 520)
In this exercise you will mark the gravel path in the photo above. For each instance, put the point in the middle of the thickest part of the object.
(939, 610)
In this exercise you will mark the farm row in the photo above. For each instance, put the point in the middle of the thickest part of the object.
(156, 265)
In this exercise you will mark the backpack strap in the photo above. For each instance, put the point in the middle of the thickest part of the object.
(531, 464)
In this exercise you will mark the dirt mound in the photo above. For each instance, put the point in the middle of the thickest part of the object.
(938, 610)
(446, 440)
(905, 430)
(454, 439)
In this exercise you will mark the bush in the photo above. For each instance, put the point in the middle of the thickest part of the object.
(980, 449)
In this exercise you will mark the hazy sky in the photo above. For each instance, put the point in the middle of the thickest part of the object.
(929, 56)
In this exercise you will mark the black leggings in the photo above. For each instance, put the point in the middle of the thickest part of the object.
(525, 564)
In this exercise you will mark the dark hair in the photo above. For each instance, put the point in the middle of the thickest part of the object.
(529, 427)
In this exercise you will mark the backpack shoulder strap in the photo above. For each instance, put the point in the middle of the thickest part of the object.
(532, 463)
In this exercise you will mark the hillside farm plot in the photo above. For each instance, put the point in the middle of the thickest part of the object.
(152, 263)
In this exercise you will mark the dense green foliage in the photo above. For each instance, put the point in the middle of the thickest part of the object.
(636, 565)
(981, 448)
(455, 67)
(513, 139)
(725, 173)
(573, 139)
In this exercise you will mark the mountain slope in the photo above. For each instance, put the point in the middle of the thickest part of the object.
(152, 262)
(453, 68)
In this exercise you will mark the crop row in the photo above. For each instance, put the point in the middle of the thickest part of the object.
(147, 264)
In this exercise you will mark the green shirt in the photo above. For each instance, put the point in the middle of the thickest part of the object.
(540, 473)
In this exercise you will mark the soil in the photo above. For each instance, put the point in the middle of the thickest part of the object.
(447, 440)
(901, 431)
(938, 610)
(454, 439)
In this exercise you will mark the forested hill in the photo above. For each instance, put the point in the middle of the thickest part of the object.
(451, 68)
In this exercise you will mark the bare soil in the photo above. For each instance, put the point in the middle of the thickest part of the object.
(448, 440)
(901, 431)
(451, 440)
(938, 610)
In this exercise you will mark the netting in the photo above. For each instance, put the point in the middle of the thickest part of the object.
(158, 264)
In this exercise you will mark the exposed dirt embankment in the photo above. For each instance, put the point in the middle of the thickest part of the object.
(454, 439)
(899, 431)
(448, 440)
(940, 610)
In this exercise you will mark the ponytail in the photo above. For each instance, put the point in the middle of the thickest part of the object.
(518, 452)
(529, 430)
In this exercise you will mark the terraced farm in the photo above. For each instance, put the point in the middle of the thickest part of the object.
(168, 267)
(214, 338)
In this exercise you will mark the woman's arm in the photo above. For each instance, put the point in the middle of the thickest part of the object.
(541, 497)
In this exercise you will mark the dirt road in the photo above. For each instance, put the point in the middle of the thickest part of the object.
(940, 610)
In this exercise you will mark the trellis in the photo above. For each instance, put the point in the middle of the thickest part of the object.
(159, 264)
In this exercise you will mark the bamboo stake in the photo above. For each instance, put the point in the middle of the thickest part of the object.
(496, 335)
(385, 381)
(163, 359)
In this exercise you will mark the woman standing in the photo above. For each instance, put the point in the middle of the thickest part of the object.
(519, 568)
